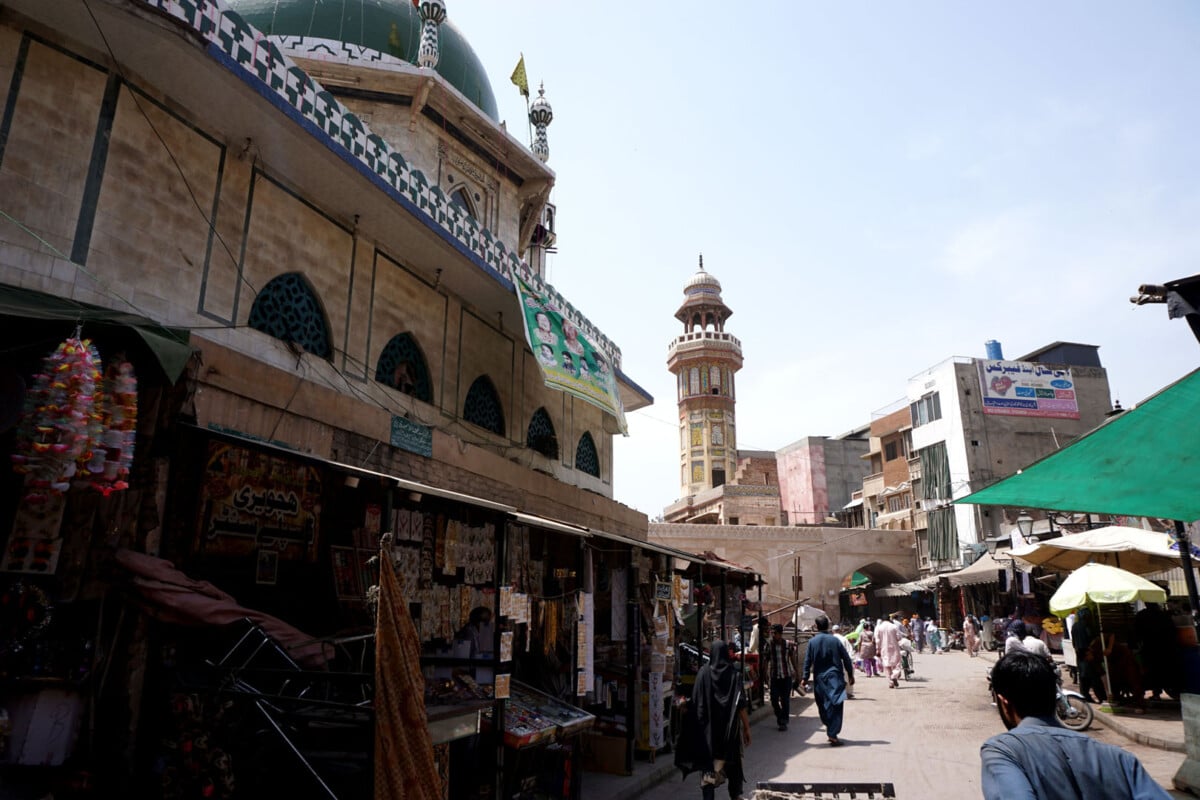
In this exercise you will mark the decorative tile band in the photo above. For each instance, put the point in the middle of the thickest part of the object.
(259, 58)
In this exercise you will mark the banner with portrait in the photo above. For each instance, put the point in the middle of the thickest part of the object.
(568, 360)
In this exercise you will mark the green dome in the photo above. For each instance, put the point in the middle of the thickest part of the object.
(388, 26)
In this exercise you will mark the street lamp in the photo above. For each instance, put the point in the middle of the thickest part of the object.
(992, 544)
(1025, 526)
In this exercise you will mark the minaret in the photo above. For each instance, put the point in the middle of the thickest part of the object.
(541, 115)
(704, 360)
(433, 14)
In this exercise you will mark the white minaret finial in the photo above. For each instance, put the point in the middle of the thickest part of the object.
(433, 14)
(541, 115)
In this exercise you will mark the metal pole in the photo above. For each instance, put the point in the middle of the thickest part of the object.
(1185, 558)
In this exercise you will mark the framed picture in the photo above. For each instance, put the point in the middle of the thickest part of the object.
(345, 573)
(266, 569)
(662, 590)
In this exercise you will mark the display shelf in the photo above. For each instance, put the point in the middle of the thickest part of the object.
(532, 717)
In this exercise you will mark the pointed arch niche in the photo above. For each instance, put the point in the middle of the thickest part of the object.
(482, 406)
(586, 458)
(289, 309)
(541, 437)
(402, 366)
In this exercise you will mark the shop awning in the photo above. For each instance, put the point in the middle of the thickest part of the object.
(1142, 463)
(903, 589)
(853, 504)
(168, 346)
(985, 569)
(549, 524)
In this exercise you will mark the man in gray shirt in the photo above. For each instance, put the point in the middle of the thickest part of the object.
(1039, 758)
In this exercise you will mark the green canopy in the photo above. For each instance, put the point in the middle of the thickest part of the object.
(854, 580)
(1142, 463)
(168, 346)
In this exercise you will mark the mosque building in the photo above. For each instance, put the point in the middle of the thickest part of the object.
(296, 239)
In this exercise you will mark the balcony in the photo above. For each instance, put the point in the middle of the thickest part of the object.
(698, 340)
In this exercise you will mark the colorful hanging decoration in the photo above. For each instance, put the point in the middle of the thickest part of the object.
(61, 419)
(112, 453)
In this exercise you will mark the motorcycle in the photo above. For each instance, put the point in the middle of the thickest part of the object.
(1070, 707)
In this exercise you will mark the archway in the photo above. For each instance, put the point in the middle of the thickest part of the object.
(859, 595)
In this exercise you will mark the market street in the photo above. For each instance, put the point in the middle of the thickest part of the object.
(923, 737)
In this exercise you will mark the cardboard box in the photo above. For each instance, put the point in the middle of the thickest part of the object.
(604, 753)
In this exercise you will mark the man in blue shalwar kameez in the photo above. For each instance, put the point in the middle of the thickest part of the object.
(831, 670)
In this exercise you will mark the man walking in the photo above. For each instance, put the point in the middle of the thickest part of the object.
(832, 671)
(887, 641)
(1038, 757)
(783, 672)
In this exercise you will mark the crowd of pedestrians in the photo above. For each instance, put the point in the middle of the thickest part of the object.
(1037, 757)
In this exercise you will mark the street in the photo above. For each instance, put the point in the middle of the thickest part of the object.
(923, 737)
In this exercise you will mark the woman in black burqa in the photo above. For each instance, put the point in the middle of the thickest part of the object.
(711, 740)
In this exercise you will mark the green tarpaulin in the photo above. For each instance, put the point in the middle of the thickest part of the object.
(1142, 463)
(855, 580)
(169, 346)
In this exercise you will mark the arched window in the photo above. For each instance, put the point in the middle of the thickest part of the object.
(586, 459)
(402, 366)
(288, 309)
(462, 199)
(695, 381)
(482, 406)
(541, 434)
(714, 379)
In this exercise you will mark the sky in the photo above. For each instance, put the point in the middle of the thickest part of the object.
(878, 187)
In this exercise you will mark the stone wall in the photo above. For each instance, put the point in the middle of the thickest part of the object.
(827, 555)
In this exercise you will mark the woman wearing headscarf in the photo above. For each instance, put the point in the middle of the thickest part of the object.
(866, 651)
(971, 635)
(720, 706)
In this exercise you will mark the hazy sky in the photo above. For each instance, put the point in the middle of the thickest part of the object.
(877, 186)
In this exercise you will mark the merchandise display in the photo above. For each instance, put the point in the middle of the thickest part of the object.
(531, 717)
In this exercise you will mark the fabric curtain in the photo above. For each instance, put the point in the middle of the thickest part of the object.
(943, 534)
(935, 472)
(404, 763)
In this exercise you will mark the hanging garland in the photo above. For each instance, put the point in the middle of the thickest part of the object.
(112, 456)
(61, 418)
(25, 612)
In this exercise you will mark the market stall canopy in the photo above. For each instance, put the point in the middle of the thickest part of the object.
(1142, 463)
(1100, 583)
(985, 569)
(168, 346)
(1133, 549)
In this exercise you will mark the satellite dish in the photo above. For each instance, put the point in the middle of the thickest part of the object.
(12, 397)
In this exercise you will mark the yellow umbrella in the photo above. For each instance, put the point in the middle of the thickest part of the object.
(1100, 583)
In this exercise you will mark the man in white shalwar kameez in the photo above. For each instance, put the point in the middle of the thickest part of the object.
(887, 645)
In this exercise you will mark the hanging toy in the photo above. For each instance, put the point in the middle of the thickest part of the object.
(112, 455)
(60, 415)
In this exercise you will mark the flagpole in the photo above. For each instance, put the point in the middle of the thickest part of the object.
(528, 122)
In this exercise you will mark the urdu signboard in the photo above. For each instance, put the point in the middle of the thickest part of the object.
(1025, 389)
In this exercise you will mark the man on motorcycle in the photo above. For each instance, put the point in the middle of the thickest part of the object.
(1038, 757)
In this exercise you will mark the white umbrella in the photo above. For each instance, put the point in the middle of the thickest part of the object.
(806, 614)
(1131, 549)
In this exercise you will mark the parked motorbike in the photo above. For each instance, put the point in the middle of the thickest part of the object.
(1070, 707)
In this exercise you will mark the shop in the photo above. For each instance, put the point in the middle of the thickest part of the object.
(81, 391)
